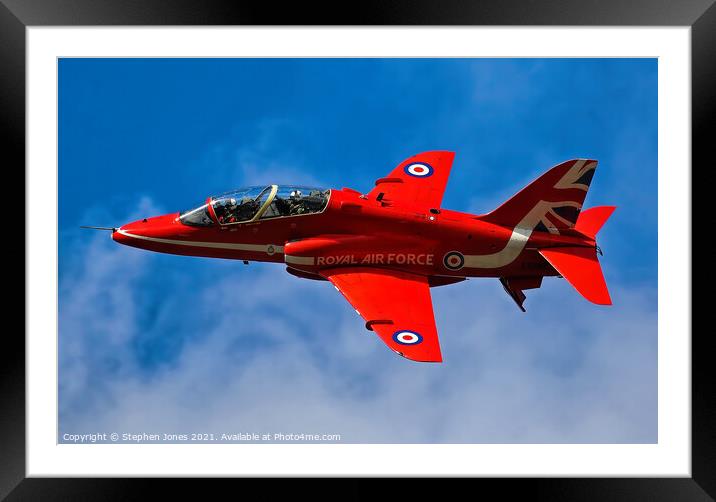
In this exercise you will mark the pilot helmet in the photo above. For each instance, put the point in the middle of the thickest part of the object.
(295, 194)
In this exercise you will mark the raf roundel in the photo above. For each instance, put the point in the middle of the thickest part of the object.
(454, 260)
(419, 169)
(405, 337)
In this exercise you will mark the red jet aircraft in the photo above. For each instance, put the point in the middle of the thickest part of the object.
(384, 250)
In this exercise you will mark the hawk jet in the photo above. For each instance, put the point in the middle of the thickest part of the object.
(383, 250)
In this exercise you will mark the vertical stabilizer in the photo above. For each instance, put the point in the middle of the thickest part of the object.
(552, 202)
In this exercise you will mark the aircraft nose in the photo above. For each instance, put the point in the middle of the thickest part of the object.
(147, 230)
(119, 237)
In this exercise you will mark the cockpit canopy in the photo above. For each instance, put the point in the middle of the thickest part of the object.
(257, 203)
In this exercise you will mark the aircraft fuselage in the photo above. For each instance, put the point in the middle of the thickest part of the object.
(356, 231)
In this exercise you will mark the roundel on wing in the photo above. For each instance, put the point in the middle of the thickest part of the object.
(454, 260)
(419, 169)
(406, 337)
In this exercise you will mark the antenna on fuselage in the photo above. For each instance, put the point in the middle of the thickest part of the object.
(113, 229)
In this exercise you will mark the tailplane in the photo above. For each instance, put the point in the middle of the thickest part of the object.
(580, 267)
(591, 220)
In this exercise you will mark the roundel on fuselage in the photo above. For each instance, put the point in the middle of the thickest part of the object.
(454, 260)
(419, 169)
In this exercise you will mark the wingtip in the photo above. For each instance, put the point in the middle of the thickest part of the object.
(607, 302)
(603, 299)
(432, 359)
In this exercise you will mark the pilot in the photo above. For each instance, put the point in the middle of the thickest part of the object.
(230, 207)
(283, 207)
(296, 201)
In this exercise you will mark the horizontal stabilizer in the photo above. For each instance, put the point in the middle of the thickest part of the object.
(591, 220)
(580, 267)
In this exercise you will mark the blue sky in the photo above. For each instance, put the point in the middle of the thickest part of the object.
(153, 342)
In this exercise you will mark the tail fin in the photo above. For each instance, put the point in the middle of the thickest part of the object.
(591, 220)
(552, 202)
(579, 265)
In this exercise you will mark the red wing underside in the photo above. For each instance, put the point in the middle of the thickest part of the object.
(580, 267)
(420, 180)
(396, 305)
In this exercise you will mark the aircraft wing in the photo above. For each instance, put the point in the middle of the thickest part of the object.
(418, 180)
(396, 305)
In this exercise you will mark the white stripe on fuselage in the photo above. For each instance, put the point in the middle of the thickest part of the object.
(259, 248)
(299, 260)
(520, 235)
(507, 255)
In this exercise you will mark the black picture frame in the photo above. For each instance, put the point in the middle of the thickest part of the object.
(16, 15)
